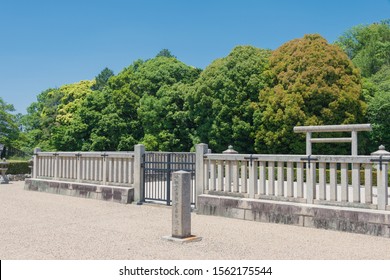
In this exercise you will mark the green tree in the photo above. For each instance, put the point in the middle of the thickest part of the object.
(100, 122)
(151, 75)
(221, 102)
(163, 84)
(165, 120)
(368, 46)
(102, 79)
(311, 83)
(165, 53)
(379, 109)
(50, 120)
(119, 115)
(65, 129)
(9, 131)
(41, 119)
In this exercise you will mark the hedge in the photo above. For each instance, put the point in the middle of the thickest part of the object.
(18, 167)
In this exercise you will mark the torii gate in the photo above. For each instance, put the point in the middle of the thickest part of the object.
(353, 128)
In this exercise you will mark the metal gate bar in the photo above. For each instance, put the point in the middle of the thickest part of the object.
(158, 169)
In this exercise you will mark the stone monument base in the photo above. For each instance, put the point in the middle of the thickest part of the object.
(188, 239)
(4, 179)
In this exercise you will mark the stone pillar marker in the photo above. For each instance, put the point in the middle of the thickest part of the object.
(181, 209)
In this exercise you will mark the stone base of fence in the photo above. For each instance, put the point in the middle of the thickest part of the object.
(84, 190)
(364, 221)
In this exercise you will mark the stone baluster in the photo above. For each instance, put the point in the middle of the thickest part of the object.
(36, 164)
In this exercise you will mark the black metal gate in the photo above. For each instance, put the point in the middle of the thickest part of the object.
(158, 169)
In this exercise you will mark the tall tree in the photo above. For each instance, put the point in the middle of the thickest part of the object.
(221, 102)
(368, 46)
(41, 119)
(165, 53)
(67, 131)
(102, 79)
(379, 109)
(311, 83)
(165, 120)
(162, 84)
(8, 127)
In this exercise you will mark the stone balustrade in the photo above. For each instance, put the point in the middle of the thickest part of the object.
(113, 168)
(343, 193)
(353, 181)
(108, 176)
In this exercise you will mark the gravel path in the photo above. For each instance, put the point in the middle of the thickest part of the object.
(37, 225)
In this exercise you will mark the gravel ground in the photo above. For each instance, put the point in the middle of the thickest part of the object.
(46, 226)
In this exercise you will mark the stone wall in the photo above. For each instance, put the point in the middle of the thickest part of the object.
(364, 221)
(18, 177)
(100, 192)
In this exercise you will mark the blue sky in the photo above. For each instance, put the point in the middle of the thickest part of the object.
(45, 44)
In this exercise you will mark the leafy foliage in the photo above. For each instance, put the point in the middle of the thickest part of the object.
(51, 118)
(102, 79)
(8, 126)
(162, 115)
(166, 53)
(379, 109)
(311, 83)
(368, 46)
(116, 112)
(221, 102)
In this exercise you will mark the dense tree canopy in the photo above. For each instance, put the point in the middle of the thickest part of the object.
(221, 102)
(379, 108)
(120, 111)
(162, 87)
(311, 83)
(102, 79)
(50, 118)
(369, 48)
(8, 126)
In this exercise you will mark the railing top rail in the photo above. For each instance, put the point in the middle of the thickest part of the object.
(86, 154)
(175, 153)
(290, 158)
(333, 128)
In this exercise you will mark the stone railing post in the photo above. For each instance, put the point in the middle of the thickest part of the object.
(310, 178)
(230, 165)
(139, 152)
(36, 163)
(31, 166)
(311, 183)
(200, 149)
(79, 168)
(382, 176)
